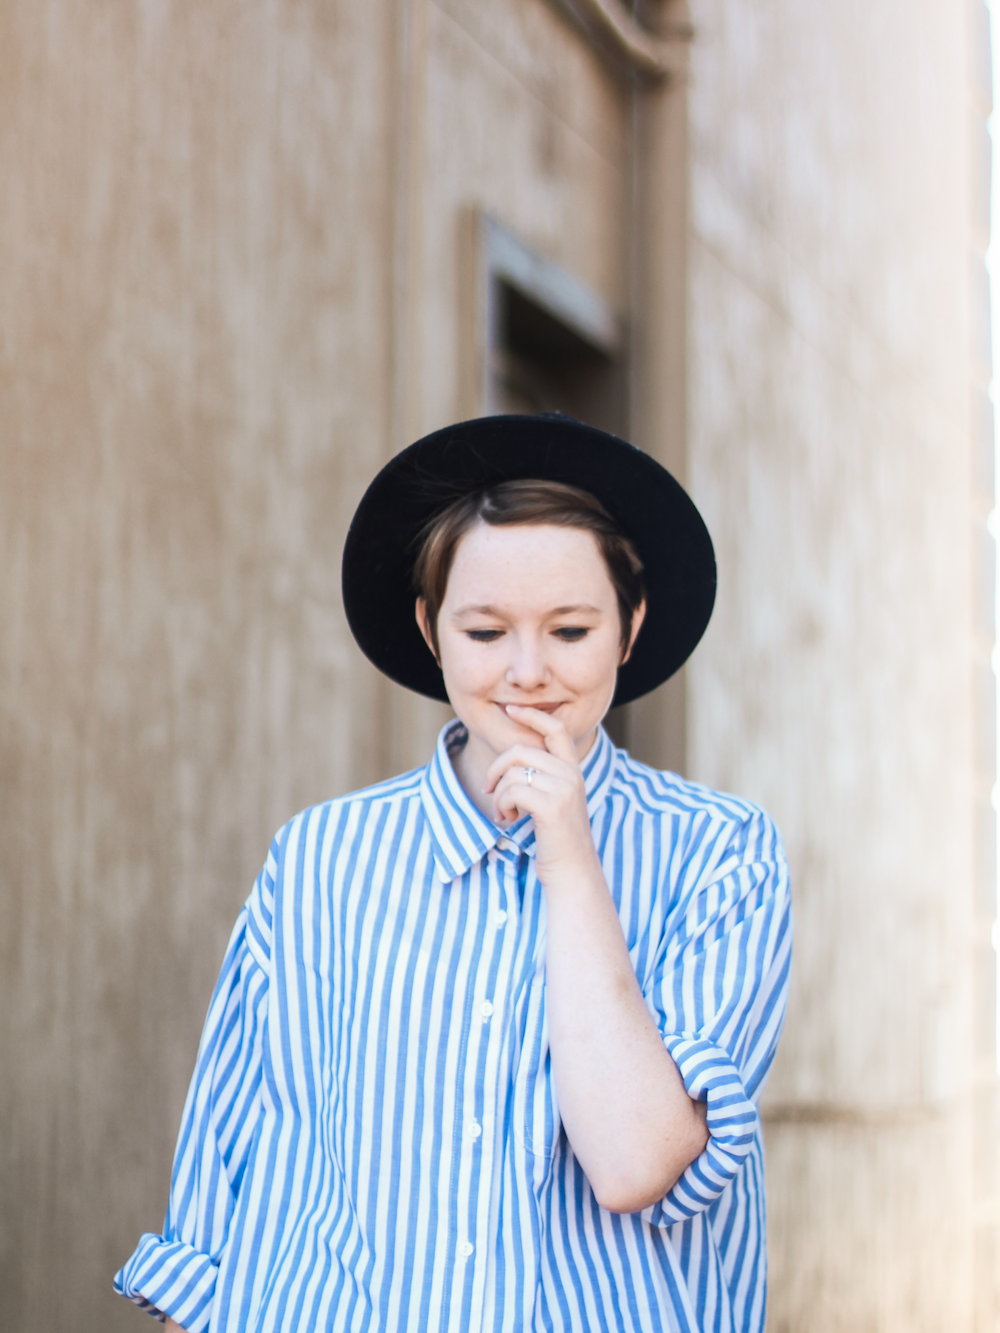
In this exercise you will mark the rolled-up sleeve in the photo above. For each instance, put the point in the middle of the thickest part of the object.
(719, 993)
(174, 1274)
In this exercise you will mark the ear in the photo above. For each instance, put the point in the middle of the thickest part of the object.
(638, 617)
(424, 625)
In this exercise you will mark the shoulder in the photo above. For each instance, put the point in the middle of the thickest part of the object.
(355, 809)
(340, 836)
(697, 814)
(659, 792)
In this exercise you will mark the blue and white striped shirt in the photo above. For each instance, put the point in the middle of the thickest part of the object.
(372, 1138)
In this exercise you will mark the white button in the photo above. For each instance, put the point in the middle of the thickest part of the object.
(474, 1131)
(466, 1248)
(501, 917)
(486, 1008)
(507, 845)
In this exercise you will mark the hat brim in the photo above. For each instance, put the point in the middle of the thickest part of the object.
(649, 505)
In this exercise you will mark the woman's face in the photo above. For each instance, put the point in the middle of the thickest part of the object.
(530, 617)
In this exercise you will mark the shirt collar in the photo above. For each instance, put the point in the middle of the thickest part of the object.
(461, 835)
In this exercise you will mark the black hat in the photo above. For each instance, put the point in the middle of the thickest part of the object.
(651, 508)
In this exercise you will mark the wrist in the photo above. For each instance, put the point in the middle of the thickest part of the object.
(573, 878)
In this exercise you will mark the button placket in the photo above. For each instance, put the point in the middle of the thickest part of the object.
(483, 1109)
(479, 1119)
(485, 1042)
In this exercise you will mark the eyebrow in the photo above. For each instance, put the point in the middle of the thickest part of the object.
(490, 610)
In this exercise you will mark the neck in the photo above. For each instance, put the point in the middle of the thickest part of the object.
(473, 761)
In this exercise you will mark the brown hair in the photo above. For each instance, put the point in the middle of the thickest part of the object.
(524, 503)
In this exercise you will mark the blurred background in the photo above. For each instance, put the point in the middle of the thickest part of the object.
(251, 248)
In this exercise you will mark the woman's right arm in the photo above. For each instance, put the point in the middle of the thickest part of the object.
(174, 1274)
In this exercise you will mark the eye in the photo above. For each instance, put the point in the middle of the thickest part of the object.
(571, 633)
(484, 635)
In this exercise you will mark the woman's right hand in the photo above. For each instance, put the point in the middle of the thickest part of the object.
(173, 1327)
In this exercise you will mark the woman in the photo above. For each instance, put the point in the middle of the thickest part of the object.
(488, 1040)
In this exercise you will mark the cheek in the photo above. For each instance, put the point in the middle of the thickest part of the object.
(466, 671)
(597, 668)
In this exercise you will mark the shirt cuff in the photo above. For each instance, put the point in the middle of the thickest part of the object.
(169, 1278)
(709, 1076)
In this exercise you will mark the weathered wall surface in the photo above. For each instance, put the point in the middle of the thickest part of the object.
(230, 287)
(181, 360)
(831, 447)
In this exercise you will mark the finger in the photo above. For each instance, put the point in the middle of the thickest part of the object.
(517, 778)
(551, 729)
(507, 802)
(523, 757)
(517, 759)
(506, 809)
(516, 797)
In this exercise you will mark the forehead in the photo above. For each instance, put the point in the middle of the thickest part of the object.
(535, 561)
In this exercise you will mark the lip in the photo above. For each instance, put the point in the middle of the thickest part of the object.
(541, 707)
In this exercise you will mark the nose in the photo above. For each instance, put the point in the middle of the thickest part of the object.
(527, 670)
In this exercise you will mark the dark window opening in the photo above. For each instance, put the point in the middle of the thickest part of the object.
(539, 363)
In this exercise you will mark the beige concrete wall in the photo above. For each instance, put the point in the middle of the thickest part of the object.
(231, 284)
(831, 447)
(193, 378)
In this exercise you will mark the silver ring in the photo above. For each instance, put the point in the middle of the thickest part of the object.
(529, 773)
